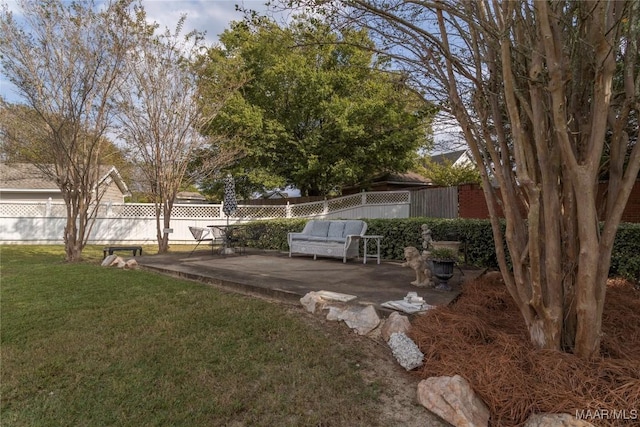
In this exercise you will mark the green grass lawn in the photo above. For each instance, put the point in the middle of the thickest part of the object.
(84, 345)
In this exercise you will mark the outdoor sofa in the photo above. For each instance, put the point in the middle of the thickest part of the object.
(330, 238)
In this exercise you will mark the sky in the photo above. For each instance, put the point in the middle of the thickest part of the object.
(212, 16)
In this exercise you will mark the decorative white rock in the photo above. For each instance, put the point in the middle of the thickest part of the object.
(405, 351)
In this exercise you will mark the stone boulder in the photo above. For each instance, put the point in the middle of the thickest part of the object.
(312, 302)
(114, 260)
(361, 319)
(405, 351)
(396, 322)
(317, 301)
(453, 400)
(555, 420)
(131, 264)
(107, 261)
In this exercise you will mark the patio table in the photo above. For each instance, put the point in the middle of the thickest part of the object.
(366, 239)
(227, 236)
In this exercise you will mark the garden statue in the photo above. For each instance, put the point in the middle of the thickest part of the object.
(420, 265)
(429, 244)
(439, 257)
(426, 239)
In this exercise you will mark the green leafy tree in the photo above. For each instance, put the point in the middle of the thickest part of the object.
(448, 175)
(318, 112)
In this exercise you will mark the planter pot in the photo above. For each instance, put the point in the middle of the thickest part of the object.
(446, 244)
(443, 270)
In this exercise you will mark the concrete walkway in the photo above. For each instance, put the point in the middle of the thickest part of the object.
(274, 274)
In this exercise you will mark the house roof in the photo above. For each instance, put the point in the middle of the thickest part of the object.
(275, 194)
(24, 176)
(405, 180)
(450, 157)
(191, 195)
(21, 177)
(402, 178)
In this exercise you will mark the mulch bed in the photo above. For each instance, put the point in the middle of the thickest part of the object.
(482, 337)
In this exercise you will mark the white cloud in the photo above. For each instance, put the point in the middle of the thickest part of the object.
(212, 16)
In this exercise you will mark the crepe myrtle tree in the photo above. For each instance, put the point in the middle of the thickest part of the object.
(543, 92)
(161, 113)
(65, 61)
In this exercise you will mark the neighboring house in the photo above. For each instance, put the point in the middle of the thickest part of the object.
(454, 158)
(275, 194)
(190, 197)
(390, 181)
(24, 182)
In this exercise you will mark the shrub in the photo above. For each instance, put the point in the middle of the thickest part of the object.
(475, 234)
(625, 256)
(272, 234)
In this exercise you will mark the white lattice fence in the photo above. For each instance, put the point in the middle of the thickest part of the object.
(58, 211)
(304, 210)
(23, 209)
(196, 211)
(395, 197)
(260, 212)
(342, 203)
(134, 211)
(43, 222)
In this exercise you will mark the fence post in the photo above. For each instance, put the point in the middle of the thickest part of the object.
(287, 210)
(325, 208)
(47, 208)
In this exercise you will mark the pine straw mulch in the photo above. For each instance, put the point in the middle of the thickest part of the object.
(482, 338)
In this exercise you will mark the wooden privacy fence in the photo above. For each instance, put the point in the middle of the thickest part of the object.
(439, 202)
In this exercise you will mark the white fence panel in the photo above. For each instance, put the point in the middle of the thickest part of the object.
(135, 223)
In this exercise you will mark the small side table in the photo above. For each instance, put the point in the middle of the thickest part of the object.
(366, 239)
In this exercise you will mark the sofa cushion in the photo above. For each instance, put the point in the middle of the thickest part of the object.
(352, 228)
(336, 239)
(336, 228)
(315, 239)
(298, 236)
(320, 228)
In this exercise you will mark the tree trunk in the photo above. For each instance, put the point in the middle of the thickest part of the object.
(72, 239)
(72, 251)
(163, 209)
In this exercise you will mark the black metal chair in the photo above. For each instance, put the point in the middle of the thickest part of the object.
(235, 238)
(201, 234)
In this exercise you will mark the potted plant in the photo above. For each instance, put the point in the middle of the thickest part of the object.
(452, 245)
(443, 260)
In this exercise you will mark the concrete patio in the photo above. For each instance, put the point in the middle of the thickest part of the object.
(273, 274)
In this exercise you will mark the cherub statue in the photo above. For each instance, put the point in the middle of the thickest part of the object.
(426, 239)
(420, 265)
